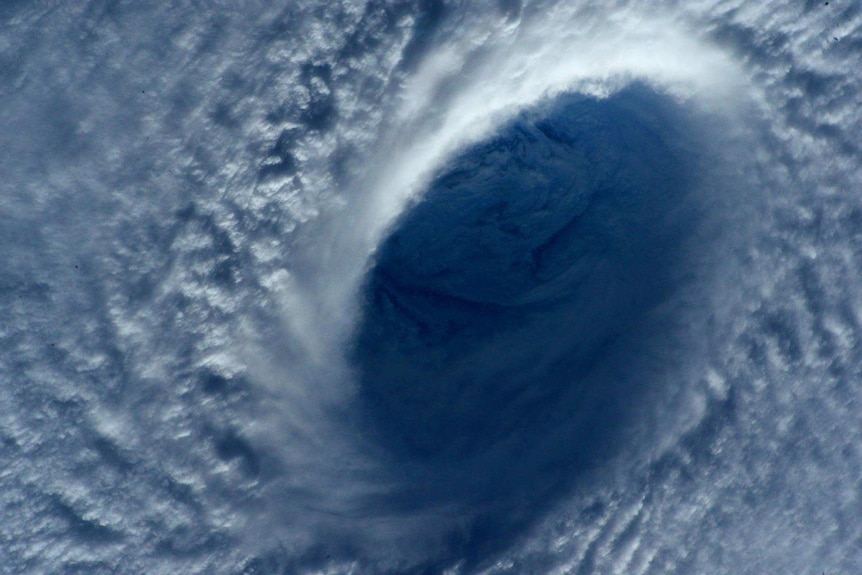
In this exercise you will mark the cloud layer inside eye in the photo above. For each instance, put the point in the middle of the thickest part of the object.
(527, 256)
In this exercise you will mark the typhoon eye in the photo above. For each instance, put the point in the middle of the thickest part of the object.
(510, 308)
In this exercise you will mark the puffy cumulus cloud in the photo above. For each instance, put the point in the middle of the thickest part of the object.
(491, 287)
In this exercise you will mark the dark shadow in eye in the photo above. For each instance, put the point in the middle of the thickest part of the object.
(512, 315)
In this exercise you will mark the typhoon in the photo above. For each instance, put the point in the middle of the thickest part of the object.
(400, 286)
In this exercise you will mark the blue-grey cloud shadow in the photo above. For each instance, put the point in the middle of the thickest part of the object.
(509, 315)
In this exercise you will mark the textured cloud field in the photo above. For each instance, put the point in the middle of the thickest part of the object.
(430, 287)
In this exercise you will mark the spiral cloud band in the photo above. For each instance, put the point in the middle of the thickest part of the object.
(430, 287)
